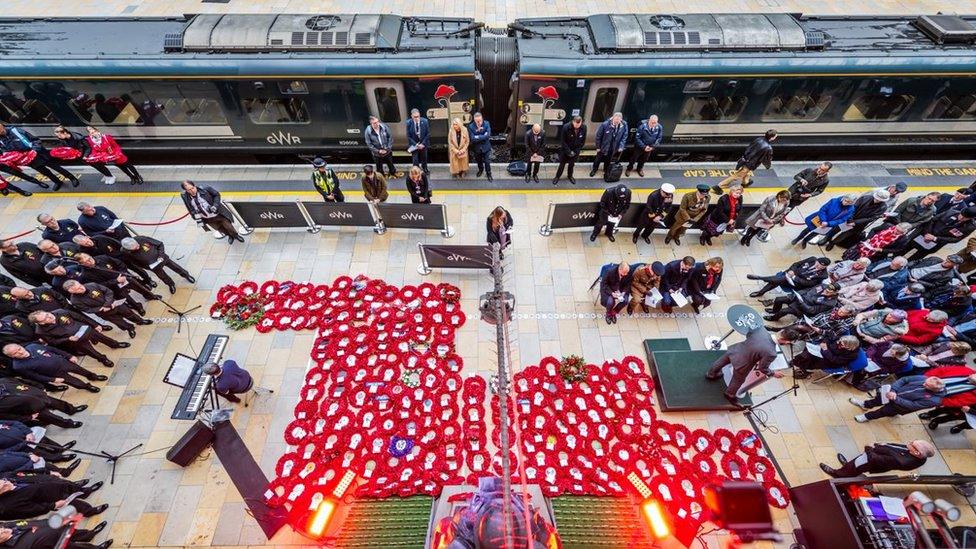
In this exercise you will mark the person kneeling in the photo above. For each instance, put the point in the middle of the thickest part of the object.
(229, 379)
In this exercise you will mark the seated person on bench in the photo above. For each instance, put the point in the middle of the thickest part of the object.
(229, 379)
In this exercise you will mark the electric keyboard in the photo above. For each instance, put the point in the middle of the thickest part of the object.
(198, 385)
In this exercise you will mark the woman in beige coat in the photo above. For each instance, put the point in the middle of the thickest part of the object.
(457, 145)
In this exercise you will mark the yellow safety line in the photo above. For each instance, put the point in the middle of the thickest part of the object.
(836, 190)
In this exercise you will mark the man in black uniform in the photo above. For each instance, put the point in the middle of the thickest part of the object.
(657, 208)
(60, 329)
(96, 299)
(58, 230)
(572, 139)
(17, 437)
(44, 298)
(33, 407)
(101, 220)
(114, 273)
(149, 253)
(26, 497)
(62, 270)
(50, 365)
(23, 260)
(613, 204)
(8, 303)
(13, 462)
(53, 250)
(101, 244)
(881, 458)
(37, 534)
(15, 329)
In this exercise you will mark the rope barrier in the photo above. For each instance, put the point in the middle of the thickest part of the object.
(168, 222)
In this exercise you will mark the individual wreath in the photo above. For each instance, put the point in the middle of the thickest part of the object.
(572, 368)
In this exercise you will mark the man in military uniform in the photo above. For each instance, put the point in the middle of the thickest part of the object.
(693, 207)
(96, 299)
(149, 253)
(49, 365)
(23, 260)
(33, 407)
(60, 329)
(58, 230)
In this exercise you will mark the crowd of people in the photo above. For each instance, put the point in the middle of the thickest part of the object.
(60, 298)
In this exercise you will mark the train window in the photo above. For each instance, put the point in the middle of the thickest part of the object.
(952, 107)
(109, 110)
(604, 104)
(799, 106)
(876, 106)
(24, 109)
(713, 109)
(387, 104)
(276, 111)
(295, 87)
(192, 110)
(699, 86)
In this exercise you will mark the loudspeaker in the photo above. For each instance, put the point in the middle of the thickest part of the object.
(191, 444)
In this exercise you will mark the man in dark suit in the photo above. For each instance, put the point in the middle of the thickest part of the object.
(648, 136)
(615, 291)
(479, 131)
(572, 138)
(757, 352)
(96, 299)
(208, 210)
(881, 458)
(33, 407)
(959, 200)
(149, 253)
(611, 138)
(801, 275)
(13, 462)
(23, 260)
(948, 227)
(18, 437)
(809, 183)
(229, 379)
(675, 279)
(418, 139)
(117, 276)
(58, 328)
(58, 230)
(101, 220)
(50, 365)
(613, 204)
(380, 143)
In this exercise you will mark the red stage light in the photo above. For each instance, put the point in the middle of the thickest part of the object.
(320, 518)
(656, 519)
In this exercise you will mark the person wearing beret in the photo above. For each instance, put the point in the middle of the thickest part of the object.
(644, 279)
(692, 208)
(657, 208)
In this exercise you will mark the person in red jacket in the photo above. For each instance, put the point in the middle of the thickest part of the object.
(924, 326)
(958, 402)
(104, 150)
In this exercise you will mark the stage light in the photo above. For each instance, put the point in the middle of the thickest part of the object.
(657, 521)
(320, 518)
(920, 501)
(947, 510)
(742, 509)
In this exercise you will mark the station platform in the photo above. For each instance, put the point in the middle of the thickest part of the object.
(293, 179)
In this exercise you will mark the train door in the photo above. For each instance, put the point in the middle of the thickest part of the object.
(387, 102)
(605, 98)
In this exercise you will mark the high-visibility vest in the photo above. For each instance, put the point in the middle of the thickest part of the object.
(324, 181)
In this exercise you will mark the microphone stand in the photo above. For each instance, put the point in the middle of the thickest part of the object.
(180, 315)
(51, 447)
(794, 389)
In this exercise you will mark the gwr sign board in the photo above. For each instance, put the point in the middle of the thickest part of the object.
(271, 215)
(344, 214)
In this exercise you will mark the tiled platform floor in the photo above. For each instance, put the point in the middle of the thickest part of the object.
(155, 503)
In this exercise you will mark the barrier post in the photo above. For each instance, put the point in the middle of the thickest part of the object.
(424, 269)
(380, 227)
(448, 231)
(312, 227)
(245, 229)
(546, 230)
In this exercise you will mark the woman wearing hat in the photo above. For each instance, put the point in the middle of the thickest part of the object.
(326, 182)
(771, 212)
(374, 185)
(658, 205)
(645, 278)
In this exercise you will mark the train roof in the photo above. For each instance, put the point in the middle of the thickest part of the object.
(744, 44)
(232, 46)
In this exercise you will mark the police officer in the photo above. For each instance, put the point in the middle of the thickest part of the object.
(59, 328)
(49, 365)
(58, 230)
(648, 136)
(95, 299)
(23, 260)
(149, 253)
(326, 182)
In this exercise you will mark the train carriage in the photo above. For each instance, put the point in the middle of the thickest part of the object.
(259, 84)
(717, 81)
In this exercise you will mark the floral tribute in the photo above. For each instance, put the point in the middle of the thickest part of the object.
(586, 436)
(384, 399)
(240, 306)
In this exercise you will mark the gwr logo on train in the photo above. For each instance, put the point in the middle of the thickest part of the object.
(283, 138)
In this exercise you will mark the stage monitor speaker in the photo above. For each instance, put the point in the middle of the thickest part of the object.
(191, 444)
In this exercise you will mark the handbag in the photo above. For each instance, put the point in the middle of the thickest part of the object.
(517, 168)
